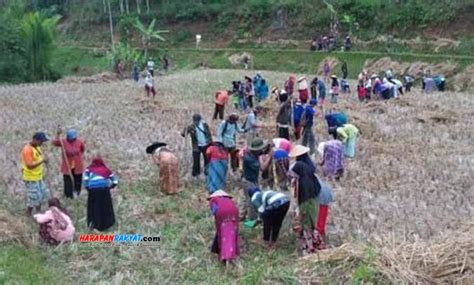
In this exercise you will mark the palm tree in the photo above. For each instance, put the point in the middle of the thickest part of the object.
(148, 34)
(38, 33)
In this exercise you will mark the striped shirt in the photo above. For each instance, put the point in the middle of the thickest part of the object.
(269, 200)
(95, 181)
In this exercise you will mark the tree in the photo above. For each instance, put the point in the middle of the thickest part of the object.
(148, 34)
(111, 25)
(38, 33)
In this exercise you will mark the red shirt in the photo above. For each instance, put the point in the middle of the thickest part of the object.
(214, 153)
(222, 97)
(74, 153)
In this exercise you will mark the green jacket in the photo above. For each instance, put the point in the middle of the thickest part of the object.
(191, 130)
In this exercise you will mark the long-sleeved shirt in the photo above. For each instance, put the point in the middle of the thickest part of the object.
(269, 200)
(72, 155)
(95, 181)
(347, 131)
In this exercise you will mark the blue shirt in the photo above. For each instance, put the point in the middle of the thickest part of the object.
(309, 113)
(297, 113)
(201, 136)
(336, 119)
(226, 133)
(95, 181)
(251, 167)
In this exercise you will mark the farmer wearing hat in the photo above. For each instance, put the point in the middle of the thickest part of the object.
(334, 89)
(227, 134)
(72, 161)
(251, 124)
(306, 122)
(252, 167)
(272, 207)
(32, 161)
(283, 119)
(226, 217)
(200, 137)
(168, 164)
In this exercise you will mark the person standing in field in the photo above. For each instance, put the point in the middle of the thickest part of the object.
(150, 85)
(326, 70)
(298, 111)
(307, 122)
(290, 85)
(32, 161)
(344, 70)
(72, 162)
(249, 91)
(334, 89)
(136, 72)
(251, 124)
(201, 138)
(283, 119)
(303, 90)
(227, 134)
(99, 180)
(221, 99)
(168, 163)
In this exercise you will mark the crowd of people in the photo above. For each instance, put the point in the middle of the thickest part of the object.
(287, 172)
(329, 43)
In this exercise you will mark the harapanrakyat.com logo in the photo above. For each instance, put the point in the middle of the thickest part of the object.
(118, 240)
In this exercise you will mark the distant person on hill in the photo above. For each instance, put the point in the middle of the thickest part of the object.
(321, 90)
(314, 88)
(168, 164)
(344, 70)
(150, 66)
(409, 80)
(150, 85)
(326, 70)
(32, 162)
(313, 45)
(249, 91)
(283, 119)
(226, 217)
(440, 82)
(220, 99)
(309, 139)
(201, 138)
(263, 91)
(99, 180)
(290, 85)
(235, 94)
(347, 43)
(165, 63)
(334, 89)
(136, 72)
(298, 111)
(257, 82)
(345, 87)
(303, 89)
(361, 92)
(55, 225)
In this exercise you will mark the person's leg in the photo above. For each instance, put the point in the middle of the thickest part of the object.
(78, 183)
(280, 214)
(216, 110)
(68, 186)
(221, 112)
(196, 163)
(267, 226)
(206, 162)
(251, 101)
(322, 218)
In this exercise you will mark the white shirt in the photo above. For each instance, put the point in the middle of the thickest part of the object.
(150, 64)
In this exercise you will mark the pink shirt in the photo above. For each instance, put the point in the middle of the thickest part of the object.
(57, 234)
(74, 153)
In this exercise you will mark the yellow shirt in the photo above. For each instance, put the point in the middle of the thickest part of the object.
(31, 155)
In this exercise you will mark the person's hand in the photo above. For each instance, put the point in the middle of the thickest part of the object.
(59, 131)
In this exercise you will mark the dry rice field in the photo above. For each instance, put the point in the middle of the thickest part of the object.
(411, 181)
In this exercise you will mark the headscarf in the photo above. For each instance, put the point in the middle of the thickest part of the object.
(71, 135)
(98, 167)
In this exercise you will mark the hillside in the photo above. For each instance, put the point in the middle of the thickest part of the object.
(409, 185)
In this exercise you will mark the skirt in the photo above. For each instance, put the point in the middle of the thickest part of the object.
(226, 241)
(100, 211)
(349, 147)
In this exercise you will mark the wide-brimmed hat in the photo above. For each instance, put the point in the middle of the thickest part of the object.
(334, 76)
(374, 76)
(258, 144)
(274, 89)
(219, 193)
(301, 78)
(40, 136)
(151, 148)
(298, 150)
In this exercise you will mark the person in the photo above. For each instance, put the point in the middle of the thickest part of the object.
(326, 197)
(368, 86)
(303, 90)
(332, 158)
(320, 43)
(257, 83)
(72, 164)
(440, 82)
(334, 89)
(428, 84)
(200, 137)
(217, 157)
(235, 94)
(221, 99)
(149, 85)
(309, 139)
(136, 72)
(32, 162)
(165, 63)
(347, 133)
(298, 111)
(281, 143)
(227, 134)
(281, 166)
(326, 70)
(249, 91)
(307, 188)
(361, 92)
(98, 180)
(120, 68)
(345, 87)
(266, 163)
(283, 119)
(334, 120)
(272, 207)
(150, 66)
(252, 166)
(251, 124)
(314, 88)
(321, 90)
(313, 45)
(344, 70)
(290, 85)
(347, 43)
(389, 73)
(409, 80)
(300, 153)
(242, 97)
(263, 90)
(226, 218)
(55, 225)
(168, 163)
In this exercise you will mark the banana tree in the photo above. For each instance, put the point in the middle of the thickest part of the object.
(148, 34)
